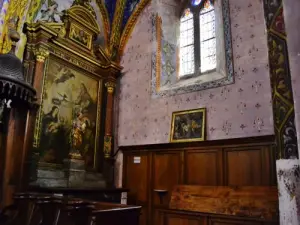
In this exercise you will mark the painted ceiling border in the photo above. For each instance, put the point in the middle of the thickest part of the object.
(115, 35)
(105, 18)
(130, 25)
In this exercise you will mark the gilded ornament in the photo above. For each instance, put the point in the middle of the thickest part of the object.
(116, 28)
(62, 32)
(41, 55)
(110, 87)
(107, 146)
(158, 54)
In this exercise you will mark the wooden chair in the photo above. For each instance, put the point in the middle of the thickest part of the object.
(8, 214)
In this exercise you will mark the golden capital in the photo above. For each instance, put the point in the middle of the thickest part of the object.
(110, 87)
(26, 63)
(41, 55)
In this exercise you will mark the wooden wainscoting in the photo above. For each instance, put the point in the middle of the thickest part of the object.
(235, 162)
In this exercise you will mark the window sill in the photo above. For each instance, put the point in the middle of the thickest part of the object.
(208, 80)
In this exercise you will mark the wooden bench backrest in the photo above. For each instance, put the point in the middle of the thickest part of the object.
(255, 202)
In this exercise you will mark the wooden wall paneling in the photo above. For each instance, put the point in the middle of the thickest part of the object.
(144, 215)
(204, 167)
(180, 219)
(267, 172)
(167, 171)
(237, 162)
(136, 178)
(273, 175)
(243, 166)
(224, 221)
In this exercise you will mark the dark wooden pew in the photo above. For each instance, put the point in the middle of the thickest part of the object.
(41, 209)
(118, 216)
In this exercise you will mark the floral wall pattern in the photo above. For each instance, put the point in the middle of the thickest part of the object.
(239, 110)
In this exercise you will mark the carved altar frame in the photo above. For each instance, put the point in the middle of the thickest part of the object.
(54, 40)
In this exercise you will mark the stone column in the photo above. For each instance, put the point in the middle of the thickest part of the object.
(287, 163)
(291, 9)
(110, 85)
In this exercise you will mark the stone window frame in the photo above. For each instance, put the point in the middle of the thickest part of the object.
(221, 76)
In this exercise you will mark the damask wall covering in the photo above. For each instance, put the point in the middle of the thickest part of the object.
(239, 110)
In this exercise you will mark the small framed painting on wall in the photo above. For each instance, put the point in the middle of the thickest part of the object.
(188, 126)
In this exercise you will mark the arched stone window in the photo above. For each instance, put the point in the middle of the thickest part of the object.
(202, 57)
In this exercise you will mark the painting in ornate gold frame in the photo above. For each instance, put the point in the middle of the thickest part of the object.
(80, 36)
(68, 122)
(188, 126)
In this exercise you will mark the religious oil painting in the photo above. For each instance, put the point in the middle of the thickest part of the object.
(68, 121)
(188, 126)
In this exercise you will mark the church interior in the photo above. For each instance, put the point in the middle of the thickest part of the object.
(149, 112)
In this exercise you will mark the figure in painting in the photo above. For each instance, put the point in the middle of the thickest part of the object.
(52, 136)
(50, 11)
(65, 75)
(79, 127)
(84, 100)
(83, 126)
(80, 36)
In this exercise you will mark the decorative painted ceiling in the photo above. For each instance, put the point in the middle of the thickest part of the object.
(122, 15)
(130, 6)
(118, 18)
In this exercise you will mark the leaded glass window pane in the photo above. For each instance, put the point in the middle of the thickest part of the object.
(207, 38)
(196, 2)
(187, 44)
(201, 53)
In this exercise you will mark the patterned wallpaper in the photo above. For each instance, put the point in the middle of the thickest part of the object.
(239, 110)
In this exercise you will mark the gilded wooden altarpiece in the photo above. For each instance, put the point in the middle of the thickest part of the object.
(70, 74)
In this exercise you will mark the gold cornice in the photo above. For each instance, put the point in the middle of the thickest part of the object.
(115, 36)
(108, 66)
(35, 27)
